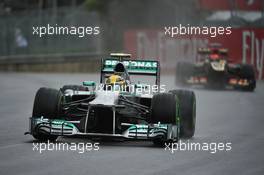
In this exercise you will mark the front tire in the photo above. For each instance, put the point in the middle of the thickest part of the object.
(46, 104)
(163, 110)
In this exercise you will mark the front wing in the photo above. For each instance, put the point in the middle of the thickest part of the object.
(135, 131)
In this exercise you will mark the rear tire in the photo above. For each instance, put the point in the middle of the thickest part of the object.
(247, 72)
(46, 104)
(184, 71)
(187, 111)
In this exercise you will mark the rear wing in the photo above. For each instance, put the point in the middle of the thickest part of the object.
(133, 66)
(207, 51)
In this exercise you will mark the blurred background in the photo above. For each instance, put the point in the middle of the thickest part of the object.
(134, 26)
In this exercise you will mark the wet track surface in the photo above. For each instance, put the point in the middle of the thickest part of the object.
(222, 116)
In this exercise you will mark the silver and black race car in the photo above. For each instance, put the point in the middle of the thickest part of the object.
(116, 107)
(214, 69)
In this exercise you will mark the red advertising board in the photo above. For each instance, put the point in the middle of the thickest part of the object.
(245, 45)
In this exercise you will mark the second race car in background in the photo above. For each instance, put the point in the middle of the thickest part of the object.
(214, 69)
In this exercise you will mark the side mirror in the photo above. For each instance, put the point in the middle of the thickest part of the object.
(89, 83)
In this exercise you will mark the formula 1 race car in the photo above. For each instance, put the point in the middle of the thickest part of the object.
(115, 108)
(213, 69)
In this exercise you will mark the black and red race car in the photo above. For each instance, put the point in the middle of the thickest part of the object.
(214, 69)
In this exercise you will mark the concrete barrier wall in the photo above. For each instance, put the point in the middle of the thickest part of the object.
(52, 63)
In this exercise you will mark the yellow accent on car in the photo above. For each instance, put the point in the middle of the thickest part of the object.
(115, 79)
